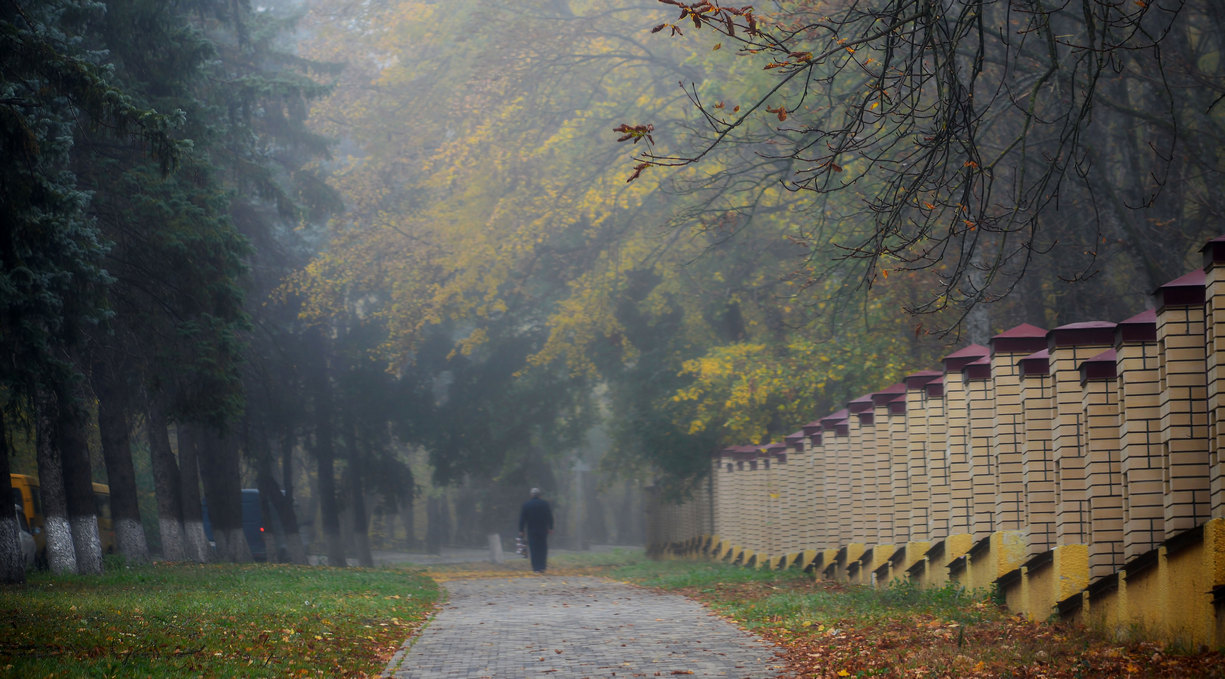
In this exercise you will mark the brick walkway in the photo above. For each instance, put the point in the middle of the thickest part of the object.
(557, 626)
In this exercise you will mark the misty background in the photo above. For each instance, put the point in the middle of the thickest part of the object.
(388, 262)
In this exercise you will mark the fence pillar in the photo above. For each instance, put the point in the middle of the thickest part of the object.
(818, 535)
(937, 459)
(863, 470)
(980, 427)
(837, 445)
(900, 485)
(882, 441)
(918, 441)
(956, 413)
(1184, 408)
(1008, 432)
(1140, 454)
(1069, 345)
(1214, 291)
(1037, 457)
(1103, 473)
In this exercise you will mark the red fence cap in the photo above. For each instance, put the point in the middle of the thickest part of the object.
(954, 361)
(1021, 339)
(1186, 290)
(1139, 328)
(1103, 366)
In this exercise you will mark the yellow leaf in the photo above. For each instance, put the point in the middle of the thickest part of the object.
(843, 673)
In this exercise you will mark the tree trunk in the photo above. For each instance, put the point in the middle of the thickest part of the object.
(71, 440)
(276, 503)
(410, 524)
(435, 530)
(60, 555)
(360, 520)
(325, 456)
(219, 470)
(12, 563)
(196, 542)
(328, 507)
(165, 485)
(114, 428)
(296, 542)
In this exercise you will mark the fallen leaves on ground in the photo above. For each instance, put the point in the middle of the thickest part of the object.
(995, 644)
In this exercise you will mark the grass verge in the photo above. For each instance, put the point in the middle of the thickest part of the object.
(833, 630)
(215, 620)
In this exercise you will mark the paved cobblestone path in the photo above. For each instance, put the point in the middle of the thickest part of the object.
(575, 627)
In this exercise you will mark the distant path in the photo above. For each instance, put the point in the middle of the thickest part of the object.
(575, 627)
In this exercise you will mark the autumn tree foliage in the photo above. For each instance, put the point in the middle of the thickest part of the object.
(525, 287)
(997, 144)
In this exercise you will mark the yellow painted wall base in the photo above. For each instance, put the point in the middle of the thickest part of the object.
(1047, 579)
(1070, 571)
(875, 560)
(989, 559)
(941, 554)
(807, 557)
(899, 564)
(836, 569)
(821, 562)
(1168, 594)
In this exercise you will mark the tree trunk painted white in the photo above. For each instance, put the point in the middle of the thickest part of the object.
(189, 493)
(295, 547)
(166, 482)
(173, 544)
(59, 552)
(61, 555)
(130, 540)
(115, 433)
(87, 544)
(232, 545)
(12, 564)
(196, 542)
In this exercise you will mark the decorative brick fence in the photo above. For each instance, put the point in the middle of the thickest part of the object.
(1079, 470)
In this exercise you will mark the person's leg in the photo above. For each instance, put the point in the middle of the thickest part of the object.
(537, 547)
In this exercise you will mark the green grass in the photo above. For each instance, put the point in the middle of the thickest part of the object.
(216, 620)
(791, 600)
(616, 557)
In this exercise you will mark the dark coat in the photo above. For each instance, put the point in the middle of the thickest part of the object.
(535, 517)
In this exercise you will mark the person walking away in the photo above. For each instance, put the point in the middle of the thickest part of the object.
(536, 522)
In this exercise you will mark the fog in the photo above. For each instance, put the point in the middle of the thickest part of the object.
(394, 263)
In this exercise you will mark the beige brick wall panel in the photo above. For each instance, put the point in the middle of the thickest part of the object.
(830, 534)
(755, 503)
(1037, 463)
(1214, 289)
(1008, 433)
(901, 483)
(980, 455)
(1184, 415)
(1072, 510)
(916, 460)
(1105, 477)
(886, 461)
(856, 473)
(842, 499)
(863, 468)
(793, 501)
(938, 471)
(956, 454)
